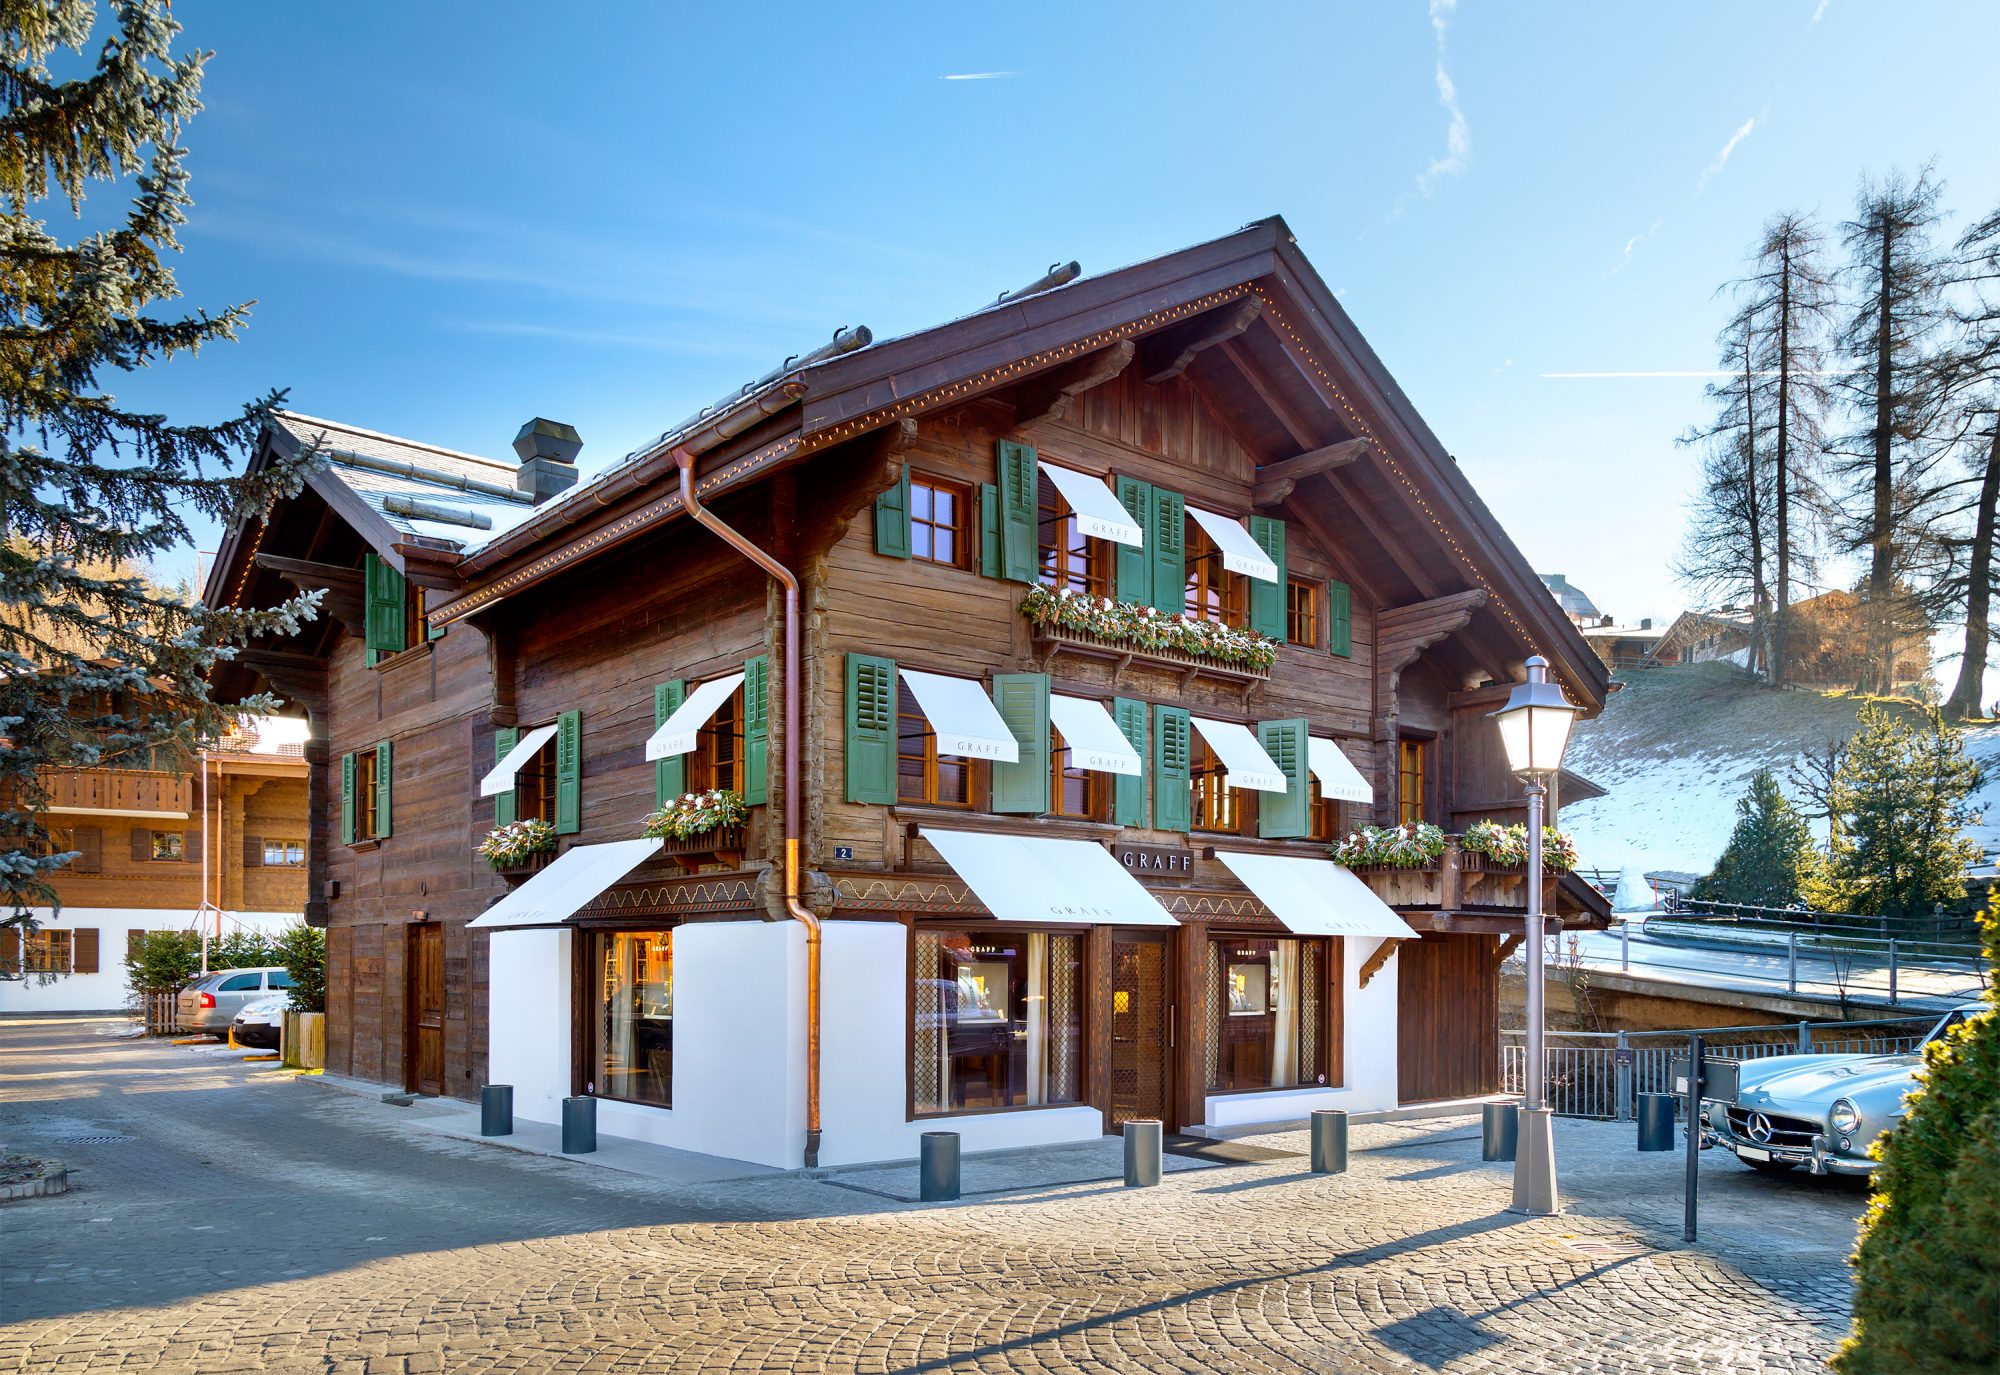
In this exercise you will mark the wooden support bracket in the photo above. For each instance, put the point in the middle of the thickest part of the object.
(1508, 946)
(1048, 396)
(1169, 353)
(1276, 480)
(1380, 957)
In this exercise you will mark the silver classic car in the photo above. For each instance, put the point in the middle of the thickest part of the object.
(1819, 1111)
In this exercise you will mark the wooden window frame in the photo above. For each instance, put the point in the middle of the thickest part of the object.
(718, 759)
(1410, 809)
(908, 708)
(1097, 786)
(1323, 814)
(1057, 559)
(534, 785)
(46, 938)
(175, 842)
(1302, 623)
(964, 502)
(1211, 592)
(367, 824)
(1211, 796)
(283, 847)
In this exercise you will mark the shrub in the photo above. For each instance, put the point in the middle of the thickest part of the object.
(1926, 1289)
(163, 962)
(301, 950)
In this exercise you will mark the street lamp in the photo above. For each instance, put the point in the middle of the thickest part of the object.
(1534, 728)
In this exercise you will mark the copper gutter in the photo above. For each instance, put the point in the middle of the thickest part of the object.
(684, 457)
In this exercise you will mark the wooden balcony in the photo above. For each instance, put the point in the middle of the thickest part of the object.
(1052, 641)
(1455, 881)
(121, 792)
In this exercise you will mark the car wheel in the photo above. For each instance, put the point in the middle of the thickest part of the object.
(1769, 1166)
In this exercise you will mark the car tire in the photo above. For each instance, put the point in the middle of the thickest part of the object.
(1769, 1166)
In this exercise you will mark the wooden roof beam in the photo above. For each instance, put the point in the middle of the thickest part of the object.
(1048, 395)
(1276, 480)
(1169, 352)
(345, 600)
(1293, 423)
(1404, 632)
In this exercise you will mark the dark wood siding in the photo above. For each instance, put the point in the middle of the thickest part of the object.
(1447, 1018)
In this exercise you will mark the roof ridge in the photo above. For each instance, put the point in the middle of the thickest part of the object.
(397, 439)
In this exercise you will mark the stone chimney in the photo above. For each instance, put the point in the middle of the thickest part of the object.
(1646, 624)
(548, 450)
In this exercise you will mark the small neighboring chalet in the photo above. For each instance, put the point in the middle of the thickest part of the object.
(147, 860)
(945, 732)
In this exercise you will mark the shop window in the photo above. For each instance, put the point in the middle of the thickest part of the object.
(167, 845)
(1213, 593)
(922, 774)
(1269, 1028)
(632, 1057)
(284, 852)
(535, 785)
(998, 1020)
(1410, 775)
(1068, 557)
(940, 516)
(1217, 806)
(1081, 793)
(1301, 613)
(717, 761)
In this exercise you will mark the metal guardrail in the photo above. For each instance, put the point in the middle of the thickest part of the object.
(1598, 1074)
(1955, 931)
(1851, 962)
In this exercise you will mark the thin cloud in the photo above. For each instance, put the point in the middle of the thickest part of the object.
(1722, 158)
(607, 338)
(1458, 133)
(1632, 246)
(977, 76)
(1819, 10)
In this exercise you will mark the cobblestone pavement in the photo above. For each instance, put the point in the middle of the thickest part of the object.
(227, 1218)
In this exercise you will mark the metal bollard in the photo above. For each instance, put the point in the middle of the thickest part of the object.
(1499, 1131)
(937, 1167)
(496, 1110)
(1145, 1144)
(1656, 1122)
(579, 1127)
(1329, 1141)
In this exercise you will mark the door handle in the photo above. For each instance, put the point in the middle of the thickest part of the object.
(1172, 1023)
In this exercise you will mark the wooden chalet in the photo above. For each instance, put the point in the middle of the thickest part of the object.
(1101, 612)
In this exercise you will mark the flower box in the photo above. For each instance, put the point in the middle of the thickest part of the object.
(1127, 631)
(1399, 887)
(516, 874)
(1051, 640)
(723, 845)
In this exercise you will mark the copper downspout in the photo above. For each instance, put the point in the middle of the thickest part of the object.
(692, 505)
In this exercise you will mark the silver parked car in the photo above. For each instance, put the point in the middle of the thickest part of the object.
(211, 1003)
(1819, 1111)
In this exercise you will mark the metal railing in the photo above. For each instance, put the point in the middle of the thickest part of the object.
(1598, 1074)
(1956, 931)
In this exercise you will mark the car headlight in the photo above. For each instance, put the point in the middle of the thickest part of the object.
(1844, 1118)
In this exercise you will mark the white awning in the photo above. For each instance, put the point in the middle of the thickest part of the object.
(1093, 737)
(677, 733)
(966, 721)
(1315, 897)
(1042, 879)
(574, 878)
(1338, 778)
(1243, 759)
(500, 778)
(1098, 510)
(1240, 553)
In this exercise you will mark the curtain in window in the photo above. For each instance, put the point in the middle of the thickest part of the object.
(1038, 1017)
(1285, 1022)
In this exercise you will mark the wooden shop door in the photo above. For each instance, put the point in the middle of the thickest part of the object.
(1141, 1013)
(424, 1004)
(1447, 1018)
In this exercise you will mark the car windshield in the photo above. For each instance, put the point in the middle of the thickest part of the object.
(1951, 1019)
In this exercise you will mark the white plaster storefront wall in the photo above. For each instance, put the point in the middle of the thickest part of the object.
(105, 991)
(1368, 1042)
(528, 1017)
(864, 1061)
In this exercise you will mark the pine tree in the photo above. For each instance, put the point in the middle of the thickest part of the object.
(97, 663)
(1901, 802)
(1769, 854)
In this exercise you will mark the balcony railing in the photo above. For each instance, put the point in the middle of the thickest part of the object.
(126, 792)
(1051, 641)
(1456, 879)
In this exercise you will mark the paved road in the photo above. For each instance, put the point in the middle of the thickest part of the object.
(1920, 987)
(228, 1219)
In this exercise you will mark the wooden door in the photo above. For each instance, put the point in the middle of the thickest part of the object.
(1141, 1014)
(424, 1006)
(1447, 1018)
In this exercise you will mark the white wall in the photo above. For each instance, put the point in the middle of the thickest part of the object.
(528, 1018)
(105, 990)
(1368, 1044)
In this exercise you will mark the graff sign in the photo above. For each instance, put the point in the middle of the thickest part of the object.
(1159, 861)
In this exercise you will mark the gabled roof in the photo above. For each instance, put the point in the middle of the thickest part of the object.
(1569, 596)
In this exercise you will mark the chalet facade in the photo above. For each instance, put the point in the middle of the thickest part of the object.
(1047, 651)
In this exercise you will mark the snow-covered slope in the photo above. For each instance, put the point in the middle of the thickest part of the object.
(1676, 747)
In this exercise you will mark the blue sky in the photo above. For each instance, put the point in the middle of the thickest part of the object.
(456, 216)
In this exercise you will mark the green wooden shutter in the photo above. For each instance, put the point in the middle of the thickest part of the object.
(871, 729)
(1339, 619)
(1166, 538)
(1281, 816)
(504, 740)
(1267, 599)
(990, 562)
(384, 614)
(1173, 770)
(892, 519)
(1020, 544)
(569, 773)
(1023, 700)
(385, 792)
(757, 729)
(346, 800)
(1128, 793)
(669, 775)
(1133, 571)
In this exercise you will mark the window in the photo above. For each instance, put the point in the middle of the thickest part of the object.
(277, 978)
(1213, 592)
(717, 761)
(47, 952)
(1269, 1029)
(241, 983)
(633, 1054)
(167, 845)
(367, 824)
(998, 1020)
(1068, 557)
(922, 774)
(284, 852)
(1324, 816)
(1217, 806)
(1301, 613)
(1081, 793)
(939, 513)
(534, 785)
(1410, 781)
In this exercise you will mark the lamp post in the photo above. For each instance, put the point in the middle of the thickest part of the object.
(1534, 728)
